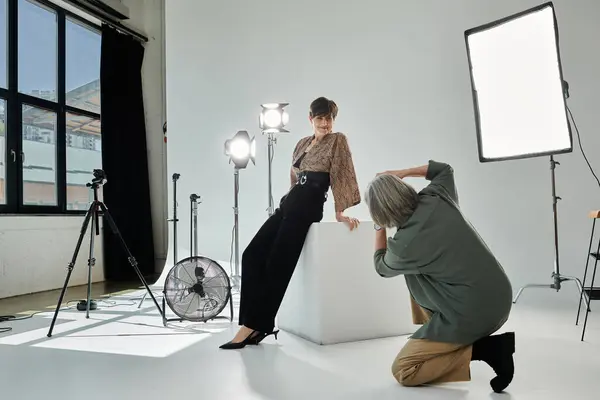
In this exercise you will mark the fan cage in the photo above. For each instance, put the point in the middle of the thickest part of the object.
(188, 280)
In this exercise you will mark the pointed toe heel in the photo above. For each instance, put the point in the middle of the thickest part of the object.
(262, 335)
(239, 345)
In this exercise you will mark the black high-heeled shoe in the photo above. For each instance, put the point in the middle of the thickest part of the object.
(238, 345)
(256, 339)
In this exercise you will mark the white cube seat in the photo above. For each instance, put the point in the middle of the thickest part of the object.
(336, 296)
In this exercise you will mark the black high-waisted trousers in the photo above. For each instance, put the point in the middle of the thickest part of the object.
(271, 257)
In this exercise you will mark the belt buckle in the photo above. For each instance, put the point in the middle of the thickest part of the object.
(303, 180)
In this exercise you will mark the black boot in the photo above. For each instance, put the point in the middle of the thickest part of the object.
(497, 351)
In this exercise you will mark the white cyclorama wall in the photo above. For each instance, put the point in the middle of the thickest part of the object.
(398, 71)
(35, 250)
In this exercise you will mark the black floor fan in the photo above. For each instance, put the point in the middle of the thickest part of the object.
(197, 288)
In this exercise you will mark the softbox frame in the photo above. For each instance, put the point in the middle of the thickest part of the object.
(496, 135)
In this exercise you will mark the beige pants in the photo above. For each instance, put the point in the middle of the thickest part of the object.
(425, 362)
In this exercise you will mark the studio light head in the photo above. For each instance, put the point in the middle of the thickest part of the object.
(240, 149)
(518, 87)
(273, 118)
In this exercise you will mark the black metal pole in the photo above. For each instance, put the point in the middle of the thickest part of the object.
(175, 220)
(84, 226)
(557, 278)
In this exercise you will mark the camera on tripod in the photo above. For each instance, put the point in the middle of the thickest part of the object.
(92, 217)
(99, 178)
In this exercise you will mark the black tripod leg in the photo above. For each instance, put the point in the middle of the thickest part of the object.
(86, 221)
(91, 261)
(130, 256)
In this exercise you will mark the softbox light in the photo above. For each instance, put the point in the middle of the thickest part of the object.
(519, 98)
(517, 85)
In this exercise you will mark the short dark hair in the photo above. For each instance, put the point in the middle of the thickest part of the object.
(323, 107)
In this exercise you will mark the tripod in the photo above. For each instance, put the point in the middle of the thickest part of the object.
(92, 215)
(556, 275)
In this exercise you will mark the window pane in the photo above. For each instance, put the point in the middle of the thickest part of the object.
(39, 156)
(2, 151)
(83, 156)
(37, 50)
(83, 67)
(3, 43)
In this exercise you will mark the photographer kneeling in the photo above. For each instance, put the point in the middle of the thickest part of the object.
(459, 291)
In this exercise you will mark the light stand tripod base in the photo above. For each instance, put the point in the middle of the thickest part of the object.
(557, 285)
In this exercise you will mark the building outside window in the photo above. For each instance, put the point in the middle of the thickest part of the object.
(50, 130)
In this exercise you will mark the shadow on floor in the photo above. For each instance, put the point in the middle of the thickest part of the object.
(43, 300)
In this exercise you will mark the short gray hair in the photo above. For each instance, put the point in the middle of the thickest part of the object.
(391, 201)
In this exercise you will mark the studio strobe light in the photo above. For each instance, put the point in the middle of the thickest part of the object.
(519, 97)
(272, 121)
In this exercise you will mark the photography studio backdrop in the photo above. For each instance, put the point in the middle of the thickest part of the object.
(398, 71)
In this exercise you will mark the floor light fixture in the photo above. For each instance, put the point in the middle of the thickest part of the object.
(519, 98)
(272, 120)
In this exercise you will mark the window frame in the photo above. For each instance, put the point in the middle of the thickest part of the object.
(13, 115)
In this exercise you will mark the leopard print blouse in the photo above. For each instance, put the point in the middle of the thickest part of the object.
(331, 154)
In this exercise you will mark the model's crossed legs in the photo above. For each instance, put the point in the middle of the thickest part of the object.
(426, 362)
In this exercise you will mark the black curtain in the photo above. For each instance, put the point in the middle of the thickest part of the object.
(125, 157)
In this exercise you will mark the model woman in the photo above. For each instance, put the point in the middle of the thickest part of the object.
(320, 161)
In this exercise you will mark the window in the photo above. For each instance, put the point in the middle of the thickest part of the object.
(3, 94)
(2, 152)
(50, 130)
(3, 43)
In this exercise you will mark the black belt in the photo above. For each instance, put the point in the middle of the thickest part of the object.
(313, 178)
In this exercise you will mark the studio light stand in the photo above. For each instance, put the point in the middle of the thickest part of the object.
(175, 220)
(194, 198)
(96, 208)
(511, 126)
(272, 121)
(557, 277)
(236, 278)
(271, 140)
(176, 177)
(240, 149)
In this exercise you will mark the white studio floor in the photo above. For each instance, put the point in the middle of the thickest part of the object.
(123, 352)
